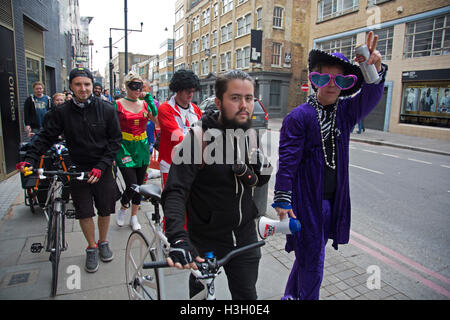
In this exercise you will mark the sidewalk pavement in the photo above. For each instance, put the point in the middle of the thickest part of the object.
(26, 275)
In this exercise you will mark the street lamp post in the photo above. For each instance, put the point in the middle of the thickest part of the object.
(111, 66)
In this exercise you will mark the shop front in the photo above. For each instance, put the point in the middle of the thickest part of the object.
(426, 98)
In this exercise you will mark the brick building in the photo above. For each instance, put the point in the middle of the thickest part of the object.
(415, 44)
(212, 37)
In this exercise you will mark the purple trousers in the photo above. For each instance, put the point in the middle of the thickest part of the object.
(304, 281)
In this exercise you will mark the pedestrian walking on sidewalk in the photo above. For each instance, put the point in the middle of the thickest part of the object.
(217, 197)
(34, 109)
(92, 132)
(134, 154)
(176, 116)
(312, 182)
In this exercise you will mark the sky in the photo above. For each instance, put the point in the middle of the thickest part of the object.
(155, 14)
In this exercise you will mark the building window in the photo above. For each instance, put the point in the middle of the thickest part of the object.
(276, 54)
(213, 64)
(205, 67)
(205, 17)
(239, 58)
(195, 67)
(34, 73)
(246, 57)
(179, 51)
(258, 18)
(426, 103)
(216, 10)
(205, 42)
(328, 9)
(241, 1)
(222, 62)
(384, 44)
(428, 37)
(179, 33)
(375, 2)
(194, 46)
(244, 25)
(227, 5)
(179, 14)
(226, 33)
(196, 23)
(344, 45)
(228, 55)
(278, 17)
(275, 93)
(214, 38)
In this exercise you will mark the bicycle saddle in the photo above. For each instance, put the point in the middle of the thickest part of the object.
(149, 191)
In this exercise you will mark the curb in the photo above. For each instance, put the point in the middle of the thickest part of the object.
(400, 146)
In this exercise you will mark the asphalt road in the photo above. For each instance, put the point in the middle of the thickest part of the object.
(400, 206)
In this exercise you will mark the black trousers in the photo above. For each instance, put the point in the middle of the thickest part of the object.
(132, 176)
(242, 274)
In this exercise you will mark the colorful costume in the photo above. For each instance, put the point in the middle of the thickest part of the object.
(134, 151)
(314, 144)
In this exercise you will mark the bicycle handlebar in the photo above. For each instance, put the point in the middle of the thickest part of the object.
(210, 267)
(43, 173)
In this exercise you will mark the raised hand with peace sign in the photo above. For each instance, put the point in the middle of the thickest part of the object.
(375, 55)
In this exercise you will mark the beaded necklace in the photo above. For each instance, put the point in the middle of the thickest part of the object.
(312, 100)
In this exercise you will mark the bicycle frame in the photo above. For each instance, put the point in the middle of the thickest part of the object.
(57, 205)
(161, 244)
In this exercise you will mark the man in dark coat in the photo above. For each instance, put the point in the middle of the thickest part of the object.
(92, 132)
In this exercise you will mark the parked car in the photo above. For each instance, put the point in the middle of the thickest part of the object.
(260, 118)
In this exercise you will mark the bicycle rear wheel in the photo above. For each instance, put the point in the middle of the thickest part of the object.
(55, 252)
(142, 284)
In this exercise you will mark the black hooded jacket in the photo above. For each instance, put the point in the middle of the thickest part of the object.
(92, 134)
(219, 206)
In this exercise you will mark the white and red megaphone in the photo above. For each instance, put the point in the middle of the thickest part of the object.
(267, 227)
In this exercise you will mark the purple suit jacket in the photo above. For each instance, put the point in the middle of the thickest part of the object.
(301, 169)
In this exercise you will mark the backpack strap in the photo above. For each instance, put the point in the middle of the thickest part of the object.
(198, 136)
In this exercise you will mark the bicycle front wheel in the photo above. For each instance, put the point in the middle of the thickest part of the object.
(142, 284)
(55, 250)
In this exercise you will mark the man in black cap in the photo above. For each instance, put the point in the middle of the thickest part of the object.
(98, 91)
(93, 137)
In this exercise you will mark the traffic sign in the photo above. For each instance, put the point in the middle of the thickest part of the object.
(305, 87)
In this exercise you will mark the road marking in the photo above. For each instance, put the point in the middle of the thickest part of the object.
(370, 151)
(402, 269)
(444, 166)
(390, 155)
(401, 258)
(362, 168)
(420, 161)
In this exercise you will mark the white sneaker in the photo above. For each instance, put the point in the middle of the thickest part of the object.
(120, 218)
(135, 223)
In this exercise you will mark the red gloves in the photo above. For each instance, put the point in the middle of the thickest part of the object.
(22, 165)
(97, 173)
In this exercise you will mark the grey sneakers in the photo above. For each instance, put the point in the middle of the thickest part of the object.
(91, 260)
(92, 255)
(105, 252)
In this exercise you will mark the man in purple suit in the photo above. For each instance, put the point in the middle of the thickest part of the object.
(312, 182)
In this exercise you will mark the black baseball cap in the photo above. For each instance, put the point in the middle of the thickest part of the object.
(80, 72)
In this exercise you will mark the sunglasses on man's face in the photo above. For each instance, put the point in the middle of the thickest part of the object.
(135, 85)
(343, 82)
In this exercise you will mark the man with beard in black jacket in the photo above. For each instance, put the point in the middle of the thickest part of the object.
(92, 132)
(214, 194)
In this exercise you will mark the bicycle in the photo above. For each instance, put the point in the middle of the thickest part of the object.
(55, 212)
(144, 274)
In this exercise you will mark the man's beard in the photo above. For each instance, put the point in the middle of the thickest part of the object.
(233, 124)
